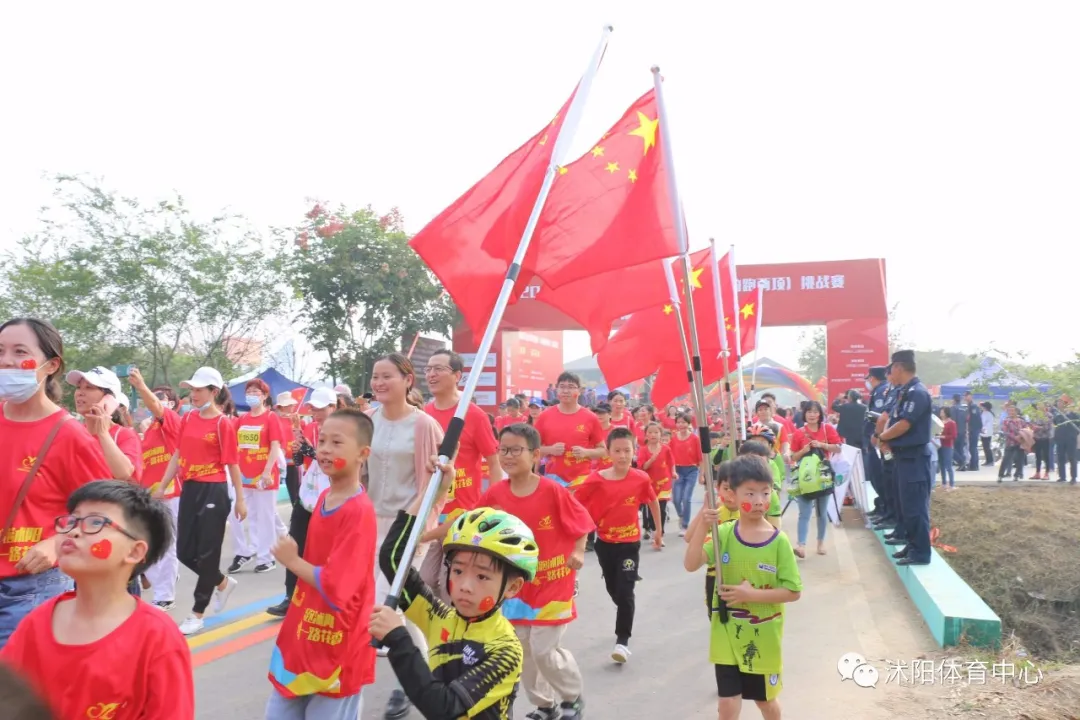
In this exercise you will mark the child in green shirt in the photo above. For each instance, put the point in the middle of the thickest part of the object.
(757, 575)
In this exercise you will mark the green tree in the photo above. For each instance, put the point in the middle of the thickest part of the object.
(130, 282)
(812, 356)
(362, 289)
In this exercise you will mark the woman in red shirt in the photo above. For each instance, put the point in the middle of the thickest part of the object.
(97, 400)
(814, 435)
(945, 452)
(39, 445)
(206, 459)
(159, 443)
(686, 452)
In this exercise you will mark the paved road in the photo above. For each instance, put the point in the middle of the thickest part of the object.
(853, 602)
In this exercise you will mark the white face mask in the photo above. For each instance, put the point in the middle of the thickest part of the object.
(254, 401)
(18, 385)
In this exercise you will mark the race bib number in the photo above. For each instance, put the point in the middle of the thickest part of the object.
(248, 436)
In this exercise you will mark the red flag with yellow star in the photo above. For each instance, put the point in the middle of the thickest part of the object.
(608, 210)
(649, 341)
(469, 245)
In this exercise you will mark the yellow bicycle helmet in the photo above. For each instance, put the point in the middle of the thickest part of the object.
(498, 534)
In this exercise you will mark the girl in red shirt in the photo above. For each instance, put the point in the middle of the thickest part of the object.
(686, 452)
(159, 443)
(816, 434)
(97, 399)
(31, 365)
(206, 459)
(656, 459)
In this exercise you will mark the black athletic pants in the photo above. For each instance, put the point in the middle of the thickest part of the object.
(619, 563)
(204, 512)
(298, 525)
(647, 519)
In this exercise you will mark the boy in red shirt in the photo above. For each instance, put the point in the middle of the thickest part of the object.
(97, 649)
(612, 497)
(571, 435)
(656, 459)
(603, 414)
(323, 657)
(545, 607)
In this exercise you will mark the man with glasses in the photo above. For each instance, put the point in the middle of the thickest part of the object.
(571, 434)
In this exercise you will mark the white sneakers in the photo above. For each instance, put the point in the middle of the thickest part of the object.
(220, 597)
(191, 625)
(620, 654)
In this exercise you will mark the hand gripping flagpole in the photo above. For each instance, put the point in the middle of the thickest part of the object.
(738, 339)
(453, 432)
(699, 387)
(757, 334)
(725, 352)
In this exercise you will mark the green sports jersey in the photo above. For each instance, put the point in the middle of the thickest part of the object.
(777, 465)
(752, 636)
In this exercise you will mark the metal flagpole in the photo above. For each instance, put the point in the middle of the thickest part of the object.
(738, 340)
(676, 304)
(699, 387)
(757, 335)
(453, 432)
(725, 353)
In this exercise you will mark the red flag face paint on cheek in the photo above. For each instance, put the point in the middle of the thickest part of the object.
(487, 604)
(30, 364)
(101, 549)
(746, 507)
(339, 463)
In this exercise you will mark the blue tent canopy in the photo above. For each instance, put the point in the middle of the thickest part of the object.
(278, 384)
(990, 382)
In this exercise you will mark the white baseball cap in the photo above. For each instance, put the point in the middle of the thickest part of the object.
(204, 377)
(322, 397)
(342, 389)
(100, 377)
(124, 402)
(285, 399)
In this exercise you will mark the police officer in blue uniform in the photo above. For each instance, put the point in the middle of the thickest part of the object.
(893, 519)
(907, 438)
(875, 382)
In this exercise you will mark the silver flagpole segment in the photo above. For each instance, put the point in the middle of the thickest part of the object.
(738, 340)
(448, 447)
(676, 304)
(757, 335)
(699, 388)
(725, 353)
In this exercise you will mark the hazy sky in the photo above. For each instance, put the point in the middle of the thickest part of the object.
(942, 136)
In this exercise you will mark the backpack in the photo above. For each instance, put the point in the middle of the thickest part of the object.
(813, 477)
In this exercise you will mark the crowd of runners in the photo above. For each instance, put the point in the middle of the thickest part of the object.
(98, 513)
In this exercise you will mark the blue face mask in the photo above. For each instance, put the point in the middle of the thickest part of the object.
(254, 401)
(18, 386)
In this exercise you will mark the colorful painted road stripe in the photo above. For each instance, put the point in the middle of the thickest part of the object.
(234, 630)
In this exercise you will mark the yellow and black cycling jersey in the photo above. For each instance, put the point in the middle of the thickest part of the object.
(473, 668)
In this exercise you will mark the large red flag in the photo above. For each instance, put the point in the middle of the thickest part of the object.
(491, 214)
(607, 210)
(650, 339)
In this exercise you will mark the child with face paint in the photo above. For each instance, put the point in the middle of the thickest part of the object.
(612, 498)
(761, 447)
(323, 656)
(476, 657)
(758, 576)
(729, 512)
(98, 648)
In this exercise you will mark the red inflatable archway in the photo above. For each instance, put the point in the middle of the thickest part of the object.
(848, 297)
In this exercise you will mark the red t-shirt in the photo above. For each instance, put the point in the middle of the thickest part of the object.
(74, 459)
(206, 447)
(129, 443)
(477, 442)
(577, 429)
(142, 669)
(786, 423)
(159, 443)
(660, 471)
(825, 433)
(253, 438)
(289, 445)
(626, 421)
(500, 422)
(325, 632)
(613, 504)
(948, 434)
(686, 452)
(557, 520)
(667, 422)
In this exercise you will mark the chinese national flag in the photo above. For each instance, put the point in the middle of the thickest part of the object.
(469, 245)
(649, 341)
(608, 210)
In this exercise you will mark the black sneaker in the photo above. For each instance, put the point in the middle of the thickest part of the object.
(164, 605)
(551, 713)
(238, 563)
(573, 710)
(397, 706)
(280, 609)
(266, 567)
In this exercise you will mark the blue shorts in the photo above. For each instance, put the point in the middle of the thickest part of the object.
(279, 707)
